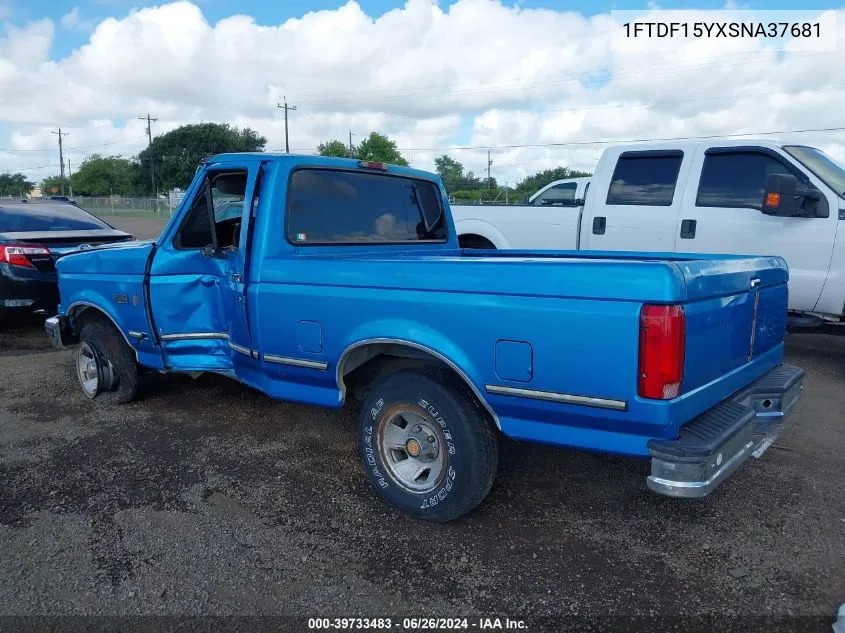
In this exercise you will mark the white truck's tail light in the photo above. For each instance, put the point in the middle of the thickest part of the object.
(662, 343)
(19, 254)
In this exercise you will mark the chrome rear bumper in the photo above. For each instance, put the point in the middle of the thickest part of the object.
(713, 445)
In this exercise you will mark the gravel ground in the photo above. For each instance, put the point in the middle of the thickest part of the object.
(208, 498)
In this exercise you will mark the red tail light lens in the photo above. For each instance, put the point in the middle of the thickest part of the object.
(21, 254)
(662, 343)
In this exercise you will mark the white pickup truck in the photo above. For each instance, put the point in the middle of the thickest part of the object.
(733, 197)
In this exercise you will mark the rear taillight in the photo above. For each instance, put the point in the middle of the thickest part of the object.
(662, 343)
(22, 254)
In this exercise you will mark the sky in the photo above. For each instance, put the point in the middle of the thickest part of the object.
(540, 83)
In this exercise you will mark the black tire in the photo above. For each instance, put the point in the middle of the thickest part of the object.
(109, 345)
(476, 242)
(470, 442)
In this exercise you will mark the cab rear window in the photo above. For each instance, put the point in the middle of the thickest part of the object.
(327, 206)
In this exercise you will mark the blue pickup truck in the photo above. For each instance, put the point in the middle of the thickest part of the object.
(336, 280)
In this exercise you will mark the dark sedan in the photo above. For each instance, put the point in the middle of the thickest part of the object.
(32, 235)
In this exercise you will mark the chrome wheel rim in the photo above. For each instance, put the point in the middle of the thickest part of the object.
(88, 370)
(412, 448)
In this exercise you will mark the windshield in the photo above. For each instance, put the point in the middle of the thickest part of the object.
(823, 166)
(60, 217)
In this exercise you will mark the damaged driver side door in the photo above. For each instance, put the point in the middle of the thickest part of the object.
(195, 273)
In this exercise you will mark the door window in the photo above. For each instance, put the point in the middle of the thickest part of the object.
(645, 179)
(562, 193)
(214, 217)
(736, 179)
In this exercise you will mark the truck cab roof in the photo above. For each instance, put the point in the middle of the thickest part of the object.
(690, 145)
(320, 161)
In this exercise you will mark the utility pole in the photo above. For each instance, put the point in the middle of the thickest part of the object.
(69, 176)
(286, 107)
(149, 121)
(61, 158)
(489, 164)
(350, 143)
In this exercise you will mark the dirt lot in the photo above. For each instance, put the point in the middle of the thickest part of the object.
(206, 497)
(141, 227)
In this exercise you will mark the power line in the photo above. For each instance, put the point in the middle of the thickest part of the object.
(50, 149)
(286, 107)
(578, 108)
(616, 141)
(603, 106)
(311, 150)
(597, 142)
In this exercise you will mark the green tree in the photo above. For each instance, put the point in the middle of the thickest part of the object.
(15, 185)
(451, 172)
(539, 180)
(105, 175)
(471, 181)
(178, 153)
(54, 182)
(379, 148)
(334, 148)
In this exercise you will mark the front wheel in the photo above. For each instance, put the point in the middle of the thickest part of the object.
(104, 363)
(427, 446)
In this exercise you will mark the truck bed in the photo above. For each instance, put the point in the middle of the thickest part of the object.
(566, 315)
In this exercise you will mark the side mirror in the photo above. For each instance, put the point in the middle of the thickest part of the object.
(814, 203)
(779, 196)
(209, 250)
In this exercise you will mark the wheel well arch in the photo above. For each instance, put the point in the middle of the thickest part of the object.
(483, 229)
(75, 315)
(371, 358)
(473, 238)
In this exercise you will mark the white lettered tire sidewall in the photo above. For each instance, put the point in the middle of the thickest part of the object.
(466, 478)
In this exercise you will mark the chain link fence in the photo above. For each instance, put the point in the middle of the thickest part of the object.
(126, 205)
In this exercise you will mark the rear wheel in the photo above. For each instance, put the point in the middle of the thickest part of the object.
(427, 446)
(104, 363)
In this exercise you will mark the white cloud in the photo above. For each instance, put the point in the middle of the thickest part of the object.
(479, 73)
(71, 19)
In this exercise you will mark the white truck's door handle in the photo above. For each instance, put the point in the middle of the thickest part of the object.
(688, 229)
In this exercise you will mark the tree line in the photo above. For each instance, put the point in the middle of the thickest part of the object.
(172, 159)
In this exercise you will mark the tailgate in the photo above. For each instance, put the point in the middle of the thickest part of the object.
(737, 313)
